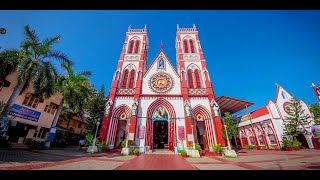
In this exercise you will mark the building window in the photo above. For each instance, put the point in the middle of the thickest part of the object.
(41, 133)
(137, 46)
(50, 108)
(261, 140)
(31, 101)
(130, 47)
(197, 76)
(186, 46)
(283, 95)
(132, 78)
(125, 78)
(192, 46)
(190, 78)
(272, 139)
(1, 85)
(252, 140)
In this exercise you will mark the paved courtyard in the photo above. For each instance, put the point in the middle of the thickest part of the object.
(72, 159)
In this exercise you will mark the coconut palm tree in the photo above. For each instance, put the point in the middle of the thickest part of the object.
(35, 65)
(76, 94)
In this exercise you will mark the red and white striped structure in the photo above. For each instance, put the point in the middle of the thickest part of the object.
(264, 126)
(316, 90)
(181, 97)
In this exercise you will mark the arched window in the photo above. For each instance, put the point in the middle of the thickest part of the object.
(130, 47)
(190, 78)
(125, 78)
(132, 77)
(137, 46)
(192, 50)
(186, 46)
(197, 76)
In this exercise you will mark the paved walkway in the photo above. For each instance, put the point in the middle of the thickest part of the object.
(78, 160)
(157, 162)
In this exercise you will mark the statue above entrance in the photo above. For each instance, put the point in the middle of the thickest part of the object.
(160, 114)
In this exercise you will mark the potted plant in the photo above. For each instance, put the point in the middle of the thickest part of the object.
(217, 149)
(183, 153)
(136, 151)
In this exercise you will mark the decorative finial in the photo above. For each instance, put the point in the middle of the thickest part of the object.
(145, 27)
(194, 26)
(277, 84)
(129, 27)
(161, 46)
(177, 26)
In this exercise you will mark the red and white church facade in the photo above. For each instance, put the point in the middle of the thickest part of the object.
(265, 127)
(160, 106)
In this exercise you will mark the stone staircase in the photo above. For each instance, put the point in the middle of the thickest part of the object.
(19, 146)
(161, 151)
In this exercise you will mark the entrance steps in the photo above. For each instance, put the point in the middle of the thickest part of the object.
(160, 151)
(19, 146)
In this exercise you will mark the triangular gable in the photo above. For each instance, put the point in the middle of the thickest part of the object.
(165, 57)
(283, 94)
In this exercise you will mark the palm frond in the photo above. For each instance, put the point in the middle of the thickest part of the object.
(31, 35)
(62, 58)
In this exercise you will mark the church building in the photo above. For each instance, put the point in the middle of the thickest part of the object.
(161, 106)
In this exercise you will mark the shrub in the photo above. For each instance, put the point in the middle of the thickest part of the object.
(277, 147)
(291, 143)
(135, 151)
(123, 144)
(131, 143)
(296, 144)
(286, 143)
(198, 147)
(249, 147)
(217, 148)
(183, 152)
(104, 145)
(88, 139)
(28, 142)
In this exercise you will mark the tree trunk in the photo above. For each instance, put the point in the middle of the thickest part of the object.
(13, 97)
(56, 117)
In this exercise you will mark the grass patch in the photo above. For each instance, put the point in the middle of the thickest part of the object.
(230, 156)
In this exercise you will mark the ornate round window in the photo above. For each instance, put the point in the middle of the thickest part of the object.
(161, 82)
(289, 108)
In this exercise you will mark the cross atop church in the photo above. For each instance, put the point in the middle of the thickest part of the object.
(161, 46)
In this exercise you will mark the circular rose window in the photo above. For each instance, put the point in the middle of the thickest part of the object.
(161, 82)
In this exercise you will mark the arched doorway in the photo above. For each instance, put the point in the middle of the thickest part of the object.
(118, 125)
(203, 127)
(161, 113)
(301, 138)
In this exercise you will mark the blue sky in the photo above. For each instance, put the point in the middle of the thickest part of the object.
(247, 52)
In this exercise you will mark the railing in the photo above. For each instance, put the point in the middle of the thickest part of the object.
(137, 30)
(186, 29)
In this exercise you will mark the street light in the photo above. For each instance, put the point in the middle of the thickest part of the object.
(95, 137)
(225, 128)
(193, 137)
(128, 127)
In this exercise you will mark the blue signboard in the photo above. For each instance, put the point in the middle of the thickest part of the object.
(25, 113)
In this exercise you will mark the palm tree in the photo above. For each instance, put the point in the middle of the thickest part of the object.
(76, 94)
(34, 64)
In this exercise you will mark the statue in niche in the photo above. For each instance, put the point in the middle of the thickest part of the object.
(134, 109)
(107, 109)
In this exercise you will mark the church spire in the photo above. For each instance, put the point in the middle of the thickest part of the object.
(161, 45)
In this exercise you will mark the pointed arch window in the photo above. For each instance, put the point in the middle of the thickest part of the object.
(190, 78)
(131, 43)
(125, 78)
(197, 77)
(137, 46)
(192, 50)
(132, 78)
(186, 46)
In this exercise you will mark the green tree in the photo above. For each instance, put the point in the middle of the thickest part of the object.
(96, 110)
(35, 65)
(295, 123)
(315, 109)
(231, 126)
(76, 93)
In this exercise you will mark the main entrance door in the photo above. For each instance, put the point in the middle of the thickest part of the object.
(160, 134)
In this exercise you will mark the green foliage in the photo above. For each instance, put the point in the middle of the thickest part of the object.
(105, 145)
(59, 139)
(123, 144)
(217, 148)
(295, 119)
(276, 147)
(34, 144)
(96, 110)
(315, 109)
(291, 143)
(88, 139)
(231, 126)
(249, 147)
(183, 152)
(135, 151)
(198, 147)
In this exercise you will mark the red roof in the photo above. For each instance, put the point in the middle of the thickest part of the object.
(259, 112)
(231, 105)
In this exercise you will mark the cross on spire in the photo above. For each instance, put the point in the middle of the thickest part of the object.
(161, 46)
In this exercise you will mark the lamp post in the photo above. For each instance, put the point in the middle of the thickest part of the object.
(128, 127)
(193, 146)
(95, 137)
(225, 128)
